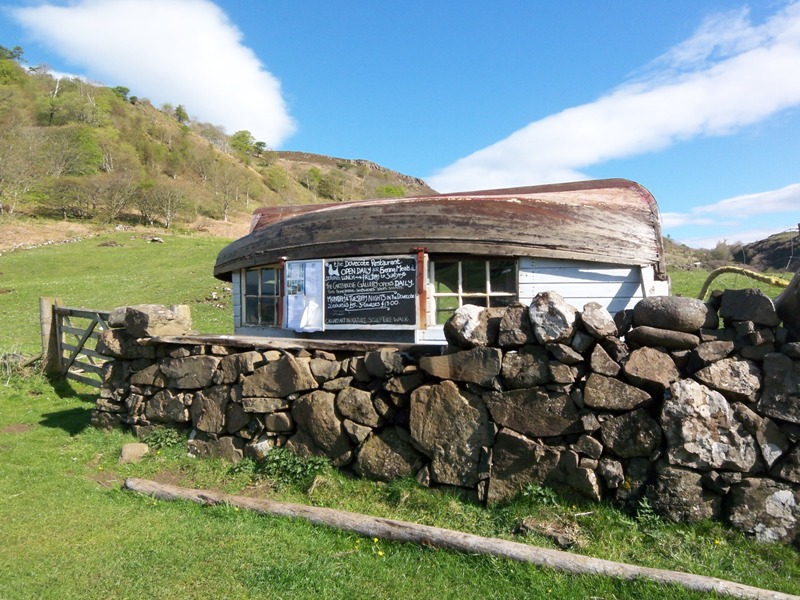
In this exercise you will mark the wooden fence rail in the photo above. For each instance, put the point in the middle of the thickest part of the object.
(69, 338)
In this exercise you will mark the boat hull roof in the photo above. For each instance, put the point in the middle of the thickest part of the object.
(608, 221)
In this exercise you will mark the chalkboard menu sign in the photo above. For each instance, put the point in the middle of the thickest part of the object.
(372, 291)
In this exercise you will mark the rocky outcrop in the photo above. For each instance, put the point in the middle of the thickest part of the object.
(659, 402)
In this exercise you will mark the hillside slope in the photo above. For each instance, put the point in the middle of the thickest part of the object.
(77, 151)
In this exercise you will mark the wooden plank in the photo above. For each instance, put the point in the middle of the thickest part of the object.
(79, 331)
(96, 369)
(89, 353)
(82, 341)
(272, 343)
(437, 537)
(85, 313)
(84, 380)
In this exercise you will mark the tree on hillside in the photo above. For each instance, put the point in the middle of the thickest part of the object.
(214, 134)
(259, 148)
(312, 179)
(331, 185)
(121, 91)
(161, 199)
(243, 142)
(276, 178)
(180, 114)
(70, 150)
(390, 191)
(222, 179)
(19, 167)
(14, 53)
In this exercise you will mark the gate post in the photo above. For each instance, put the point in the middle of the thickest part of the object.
(51, 355)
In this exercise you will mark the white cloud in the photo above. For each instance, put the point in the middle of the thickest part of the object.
(178, 51)
(740, 208)
(730, 74)
(745, 218)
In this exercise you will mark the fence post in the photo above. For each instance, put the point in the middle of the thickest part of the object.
(51, 356)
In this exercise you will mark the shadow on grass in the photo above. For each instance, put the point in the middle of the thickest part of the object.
(73, 420)
(64, 388)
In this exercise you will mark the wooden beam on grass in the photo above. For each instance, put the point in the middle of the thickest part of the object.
(436, 537)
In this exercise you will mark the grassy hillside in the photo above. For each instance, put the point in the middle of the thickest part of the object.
(108, 270)
(76, 151)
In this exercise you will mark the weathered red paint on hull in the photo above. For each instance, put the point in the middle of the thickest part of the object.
(608, 221)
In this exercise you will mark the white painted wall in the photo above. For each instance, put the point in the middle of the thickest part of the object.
(236, 280)
(616, 287)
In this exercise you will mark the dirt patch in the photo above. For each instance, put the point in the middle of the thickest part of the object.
(260, 489)
(105, 480)
(169, 477)
(238, 226)
(16, 428)
(27, 234)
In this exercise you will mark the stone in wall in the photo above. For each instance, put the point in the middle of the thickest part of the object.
(525, 368)
(597, 321)
(280, 378)
(450, 427)
(356, 405)
(701, 430)
(767, 509)
(748, 305)
(208, 408)
(151, 320)
(644, 335)
(707, 353)
(472, 326)
(167, 406)
(675, 313)
(118, 343)
(781, 396)
(479, 365)
(190, 373)
(788, 468)
(235, 365)
(553, 319)
(517, 462)
(651, 370)
(736, 379)
(150, 376)
(607, 393)
(387, 456)
(516, 329)
(383, 363)
(600, 362)
(534, 412)
(678, 495)
(315, 414)
(631, 434)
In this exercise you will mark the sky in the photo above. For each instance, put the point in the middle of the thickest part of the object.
(696, 100)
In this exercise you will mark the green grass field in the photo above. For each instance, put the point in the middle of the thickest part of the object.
(68, 531)
(88, 274)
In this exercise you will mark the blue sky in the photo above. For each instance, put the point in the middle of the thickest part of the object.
(699, 101)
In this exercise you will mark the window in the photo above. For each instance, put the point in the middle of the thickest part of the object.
(262, 296)
(483, 282)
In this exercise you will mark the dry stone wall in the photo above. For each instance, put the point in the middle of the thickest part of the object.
(694, 406)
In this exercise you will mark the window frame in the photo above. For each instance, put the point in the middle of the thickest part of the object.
(487, 294)
(260, 296)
